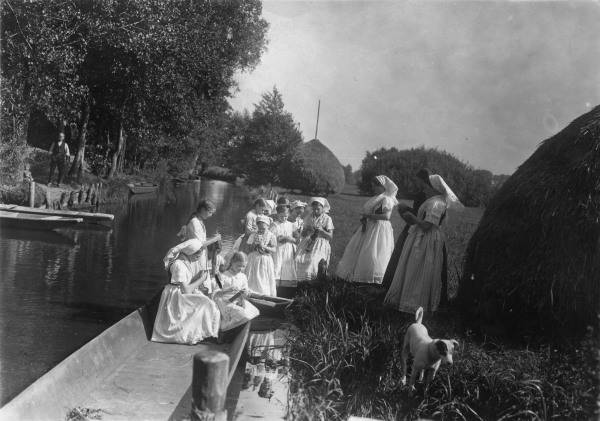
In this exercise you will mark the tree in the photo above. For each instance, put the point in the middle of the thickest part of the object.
(349, 175)
(270, 139)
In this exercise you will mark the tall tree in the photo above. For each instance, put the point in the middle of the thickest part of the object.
(270, 139)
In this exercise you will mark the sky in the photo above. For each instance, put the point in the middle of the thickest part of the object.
(485, 81)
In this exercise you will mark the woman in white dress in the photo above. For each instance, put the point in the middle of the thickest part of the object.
(261, 268)
(231, 299)
(297, 208)
(367, 254)
(316, 235)
(195, 229)
(418, 278)
(185, 315)
(284, 257)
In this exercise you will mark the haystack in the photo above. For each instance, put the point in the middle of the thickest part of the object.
(534, 262)
(314, 169)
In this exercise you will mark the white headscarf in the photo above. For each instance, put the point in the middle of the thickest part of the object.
(390, 188)
(297, 204)
(271, 205)
(263, 218)
(322, 201)
(452, 201)
(188, 248)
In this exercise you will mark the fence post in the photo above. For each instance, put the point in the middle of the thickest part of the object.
(209, 386)
(32, 194)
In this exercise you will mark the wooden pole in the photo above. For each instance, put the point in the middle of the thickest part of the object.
(32, 194)
(209, 386)
(318, 112)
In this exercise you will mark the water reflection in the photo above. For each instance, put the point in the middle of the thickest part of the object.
(56, 295)
(265, 375)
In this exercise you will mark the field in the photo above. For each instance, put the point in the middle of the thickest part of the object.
(345, 354)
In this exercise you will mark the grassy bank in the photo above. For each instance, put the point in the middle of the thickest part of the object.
(345, 355)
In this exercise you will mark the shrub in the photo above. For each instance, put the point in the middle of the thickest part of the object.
(313, 169)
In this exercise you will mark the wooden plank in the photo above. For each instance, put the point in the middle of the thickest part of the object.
(27, 221)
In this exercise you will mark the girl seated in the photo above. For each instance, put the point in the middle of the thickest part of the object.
(231, 299)
(284, 257)
(316, 235)
(261, 268)
(185, 314)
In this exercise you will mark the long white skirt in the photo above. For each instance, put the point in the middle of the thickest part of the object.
(234, 314)
(418, 278)
(285, 262)
(185, 318)
(261, 274)
(367, 254)
(307, 262)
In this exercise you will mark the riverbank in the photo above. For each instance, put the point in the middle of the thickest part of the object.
(345, 354)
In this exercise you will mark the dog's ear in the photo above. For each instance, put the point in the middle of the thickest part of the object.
(441, 347)
(455, 343)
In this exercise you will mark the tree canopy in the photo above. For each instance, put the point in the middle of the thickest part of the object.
(150, 77)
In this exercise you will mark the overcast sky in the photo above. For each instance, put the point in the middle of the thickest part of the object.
(486, 81)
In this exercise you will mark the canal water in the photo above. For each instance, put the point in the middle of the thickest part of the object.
(57, 294)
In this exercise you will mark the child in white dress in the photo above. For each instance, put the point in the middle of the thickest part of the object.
(316, 235)
(231, 299)
(284, 257)
(261, 268)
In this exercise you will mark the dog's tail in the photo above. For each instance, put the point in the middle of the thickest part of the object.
(419, 315)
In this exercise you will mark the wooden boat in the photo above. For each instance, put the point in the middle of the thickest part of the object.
(139, 188)
(88, 217)
(269, 306)
(122, 373)
(34, 221)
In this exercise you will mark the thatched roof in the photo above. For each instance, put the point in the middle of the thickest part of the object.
(534, 260)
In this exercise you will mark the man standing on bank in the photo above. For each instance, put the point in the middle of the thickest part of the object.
(59, 158)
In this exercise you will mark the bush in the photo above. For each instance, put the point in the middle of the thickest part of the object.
(472, 186)
(313, 169)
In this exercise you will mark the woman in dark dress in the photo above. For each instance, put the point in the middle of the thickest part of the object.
(422, 178)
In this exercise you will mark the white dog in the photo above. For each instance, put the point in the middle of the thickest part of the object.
(428, 353)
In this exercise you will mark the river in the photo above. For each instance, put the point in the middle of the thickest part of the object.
(55, 295)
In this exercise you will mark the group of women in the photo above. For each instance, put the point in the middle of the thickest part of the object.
(415, 269)
(285, 242)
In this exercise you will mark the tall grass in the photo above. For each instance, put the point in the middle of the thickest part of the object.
(345, 361)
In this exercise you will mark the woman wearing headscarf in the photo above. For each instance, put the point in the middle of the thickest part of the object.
(314, 245)
(422, 180)
(367, 254)
(186, 314)
(417, 280)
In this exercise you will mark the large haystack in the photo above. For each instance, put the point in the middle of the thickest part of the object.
(314, 169)
(534, 261)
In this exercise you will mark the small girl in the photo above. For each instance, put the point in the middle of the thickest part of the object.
(316, 235)
(297, 217)
(284, 258)
(250, 222)
(261, 268)
(235, 309)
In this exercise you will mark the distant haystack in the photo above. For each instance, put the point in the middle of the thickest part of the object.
(534, 261)
(314, 169)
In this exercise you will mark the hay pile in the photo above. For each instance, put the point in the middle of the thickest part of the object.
(534, 262)
(313, 169)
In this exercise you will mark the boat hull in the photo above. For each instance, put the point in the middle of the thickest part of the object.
(121, 372)
(37, 222)
(88, 217)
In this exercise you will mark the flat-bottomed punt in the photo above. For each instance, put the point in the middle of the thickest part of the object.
(32, 221)
(122, 373)
(88, 217)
